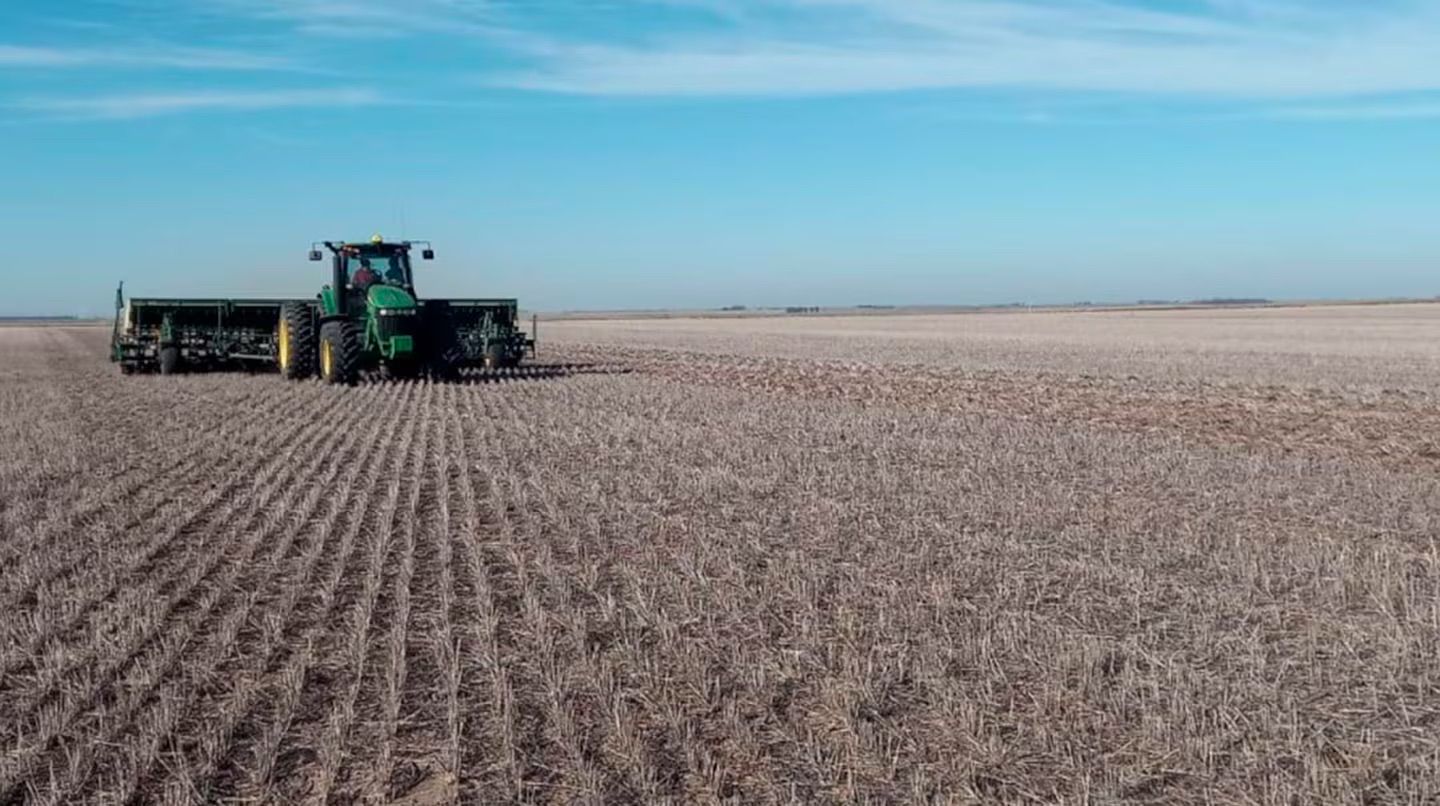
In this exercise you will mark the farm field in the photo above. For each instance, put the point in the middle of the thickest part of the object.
(1381, 346)
(1179, 557)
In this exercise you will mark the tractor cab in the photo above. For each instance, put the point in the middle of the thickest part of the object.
(360, 267)
(368, 266)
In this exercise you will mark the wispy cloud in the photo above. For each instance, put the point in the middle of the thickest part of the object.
(368, 18)
(131, 106)
(1219, 48)
(188, 58)
(1397, 110)
(1314, 58)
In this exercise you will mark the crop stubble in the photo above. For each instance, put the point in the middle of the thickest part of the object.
(730, 574)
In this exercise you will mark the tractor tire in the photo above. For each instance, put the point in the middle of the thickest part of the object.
(339, 353)
(169, 360)
(295, 342)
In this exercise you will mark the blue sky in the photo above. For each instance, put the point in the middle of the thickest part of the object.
(677, 153)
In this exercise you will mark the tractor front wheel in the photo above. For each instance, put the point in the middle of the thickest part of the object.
(295, 342)
(339, 352)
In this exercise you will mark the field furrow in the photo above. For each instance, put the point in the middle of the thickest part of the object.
(152, 676)
(250, 769)
(489, 753)
(426, 716)
(321, 742)
(174, 553)
(366, 773)
(225, 696)
(716, 571)
(434, 692)
(139, 485)
(60, 604)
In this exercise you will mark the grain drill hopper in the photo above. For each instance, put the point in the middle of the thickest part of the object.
(367, 319)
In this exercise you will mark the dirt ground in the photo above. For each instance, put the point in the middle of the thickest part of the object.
(1188, 557)
(1374, 346)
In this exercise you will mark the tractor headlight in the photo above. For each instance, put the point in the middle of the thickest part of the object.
(397, 311)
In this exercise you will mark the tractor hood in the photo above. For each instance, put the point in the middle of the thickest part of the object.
(382, 297)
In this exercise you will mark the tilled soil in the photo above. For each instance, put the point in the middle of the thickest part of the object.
(1399, 428)
(656, 577)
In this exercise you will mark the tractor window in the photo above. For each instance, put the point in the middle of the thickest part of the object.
(387, 269)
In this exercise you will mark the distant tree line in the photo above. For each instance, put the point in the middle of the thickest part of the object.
(1232, 301)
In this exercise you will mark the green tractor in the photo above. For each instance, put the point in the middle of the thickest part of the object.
(366, 321)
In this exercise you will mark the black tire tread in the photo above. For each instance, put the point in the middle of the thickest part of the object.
(302, 340)
(344, 341)
(169, 360)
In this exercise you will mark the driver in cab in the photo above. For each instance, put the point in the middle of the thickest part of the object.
(364, 276)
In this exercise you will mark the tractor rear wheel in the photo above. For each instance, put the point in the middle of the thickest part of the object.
(295, 342)
(169, 360)
(339, 352)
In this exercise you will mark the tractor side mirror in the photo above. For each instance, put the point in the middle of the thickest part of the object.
(315, 255)
(427, 254)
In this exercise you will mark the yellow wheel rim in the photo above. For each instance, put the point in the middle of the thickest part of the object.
(325, 358)
(284, 344)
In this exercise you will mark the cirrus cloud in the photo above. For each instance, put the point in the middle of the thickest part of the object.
(1222, 48)
(183, 58)
(145, 105)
